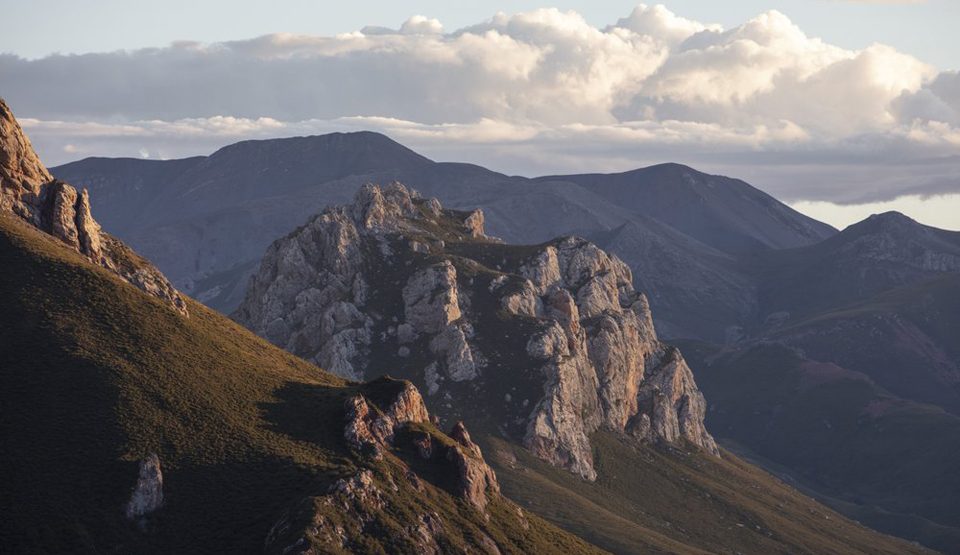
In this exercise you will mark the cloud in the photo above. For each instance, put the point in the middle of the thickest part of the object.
(536, 92)
(662, 24)
(421, 25)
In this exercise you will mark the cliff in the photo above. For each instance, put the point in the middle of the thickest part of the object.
(28, 191)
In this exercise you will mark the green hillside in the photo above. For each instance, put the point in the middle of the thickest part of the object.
(661, 500)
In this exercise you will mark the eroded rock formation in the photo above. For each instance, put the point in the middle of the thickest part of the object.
(544, 344)
(368, 426)
(28, 191)
(366, 500)
(147, 495)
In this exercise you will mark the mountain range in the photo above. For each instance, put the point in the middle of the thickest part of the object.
(727, 269)
(207, 220)
(137, 420)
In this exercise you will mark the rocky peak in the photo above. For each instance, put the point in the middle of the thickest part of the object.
(384, 421)
(21, 172)
(374, 206)
(28, 191)
(540, 344)
(893, 238)
(370, 429)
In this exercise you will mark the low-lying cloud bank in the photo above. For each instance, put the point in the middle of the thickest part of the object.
(531, 93)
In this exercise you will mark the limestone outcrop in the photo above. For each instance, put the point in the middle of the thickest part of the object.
(368, 426)
(147, 495)
(545, 344)
(476, 478)
(368, 499)
(28, 191)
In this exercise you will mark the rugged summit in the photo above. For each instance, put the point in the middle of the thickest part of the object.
(545, 344)
(28, 191)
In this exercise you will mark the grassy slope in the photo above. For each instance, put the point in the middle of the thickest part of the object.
(860, 447)
(654, 500)
(95, 374)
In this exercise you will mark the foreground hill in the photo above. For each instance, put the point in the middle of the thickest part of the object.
(549, 352)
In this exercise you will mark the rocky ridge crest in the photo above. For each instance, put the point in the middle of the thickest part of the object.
(543, 344)
(28, 191)
(395, 439)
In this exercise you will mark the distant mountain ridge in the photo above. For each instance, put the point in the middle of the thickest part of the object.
(852, 380)
(882, 252)
(215, 215)
(727, 214)
(204, 183)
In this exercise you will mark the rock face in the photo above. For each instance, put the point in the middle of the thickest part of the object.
(476, 478)
(543, 344)
(28, 191)
(368, 426)
(148, 493)
(367, 500)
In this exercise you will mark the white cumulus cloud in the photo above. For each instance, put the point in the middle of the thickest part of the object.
(537, 92)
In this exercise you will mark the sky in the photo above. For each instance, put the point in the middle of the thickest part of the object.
(839, 108)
